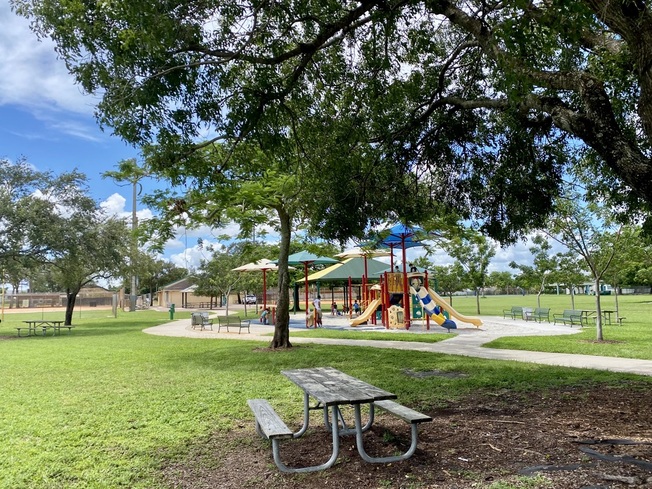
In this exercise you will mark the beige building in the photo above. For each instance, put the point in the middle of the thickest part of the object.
(182, 294)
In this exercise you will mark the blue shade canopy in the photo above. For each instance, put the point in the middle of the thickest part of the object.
(401, 236)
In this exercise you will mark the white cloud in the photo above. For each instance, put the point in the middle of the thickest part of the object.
(30, 73)
(190, 258)
(115, 205)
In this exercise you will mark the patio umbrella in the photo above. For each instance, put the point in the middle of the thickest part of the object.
(306, 258)
(261, 265)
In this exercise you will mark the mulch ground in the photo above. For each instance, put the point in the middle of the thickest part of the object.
(583, 437)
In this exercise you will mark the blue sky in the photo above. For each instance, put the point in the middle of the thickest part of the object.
(45, 118)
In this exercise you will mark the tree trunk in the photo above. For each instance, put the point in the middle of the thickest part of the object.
(227, 293)
(282, 327)
(71, 296)
(598, 311)
(477, 299)
(616, 288)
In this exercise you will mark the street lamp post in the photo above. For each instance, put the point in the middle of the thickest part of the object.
(134, 247)
(129, 172)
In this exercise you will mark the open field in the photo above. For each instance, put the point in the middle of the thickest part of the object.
(108, 406)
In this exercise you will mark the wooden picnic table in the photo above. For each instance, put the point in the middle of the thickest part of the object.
(44, 324)
(333, 389)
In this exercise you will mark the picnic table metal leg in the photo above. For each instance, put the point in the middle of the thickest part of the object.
(378, 460)
(345, 429)
(336, 451)
(306, 416)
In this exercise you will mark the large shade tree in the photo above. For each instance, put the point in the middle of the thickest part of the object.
(277, 183)
(28, 200)
(92, 248)
(480, 101)
(50, 221)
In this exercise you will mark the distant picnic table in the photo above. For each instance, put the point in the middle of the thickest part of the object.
(34, 325)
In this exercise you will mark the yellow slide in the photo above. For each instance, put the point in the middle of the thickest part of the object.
(368, 312)
(452, 312)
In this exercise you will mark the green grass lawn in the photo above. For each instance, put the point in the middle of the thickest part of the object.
(108, 406)
(631, 340)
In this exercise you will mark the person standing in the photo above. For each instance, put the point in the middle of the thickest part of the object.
(317, 304)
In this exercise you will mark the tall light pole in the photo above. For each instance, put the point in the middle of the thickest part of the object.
(134, 246)
(131, 173)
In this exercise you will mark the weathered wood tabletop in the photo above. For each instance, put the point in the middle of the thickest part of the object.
(332, 387)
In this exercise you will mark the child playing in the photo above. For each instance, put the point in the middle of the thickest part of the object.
(264, 316)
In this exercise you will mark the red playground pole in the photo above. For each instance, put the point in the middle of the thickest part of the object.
(425, 284)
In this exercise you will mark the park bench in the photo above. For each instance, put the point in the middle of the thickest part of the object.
(514, 312)
(201, 320)
(569, 316)
(540, 314)
(232, 321)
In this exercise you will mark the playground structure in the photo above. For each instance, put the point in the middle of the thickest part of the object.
(384, 304)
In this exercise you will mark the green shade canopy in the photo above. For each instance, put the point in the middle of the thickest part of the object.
(307, 258)
(352, 267)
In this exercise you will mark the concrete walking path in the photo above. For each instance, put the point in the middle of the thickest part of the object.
(467, 340)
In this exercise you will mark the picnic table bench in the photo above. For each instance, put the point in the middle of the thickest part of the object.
(56, 328)
(333, 389)
(569, 316)
(201, 320)
(233, 321)
(514, 312)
